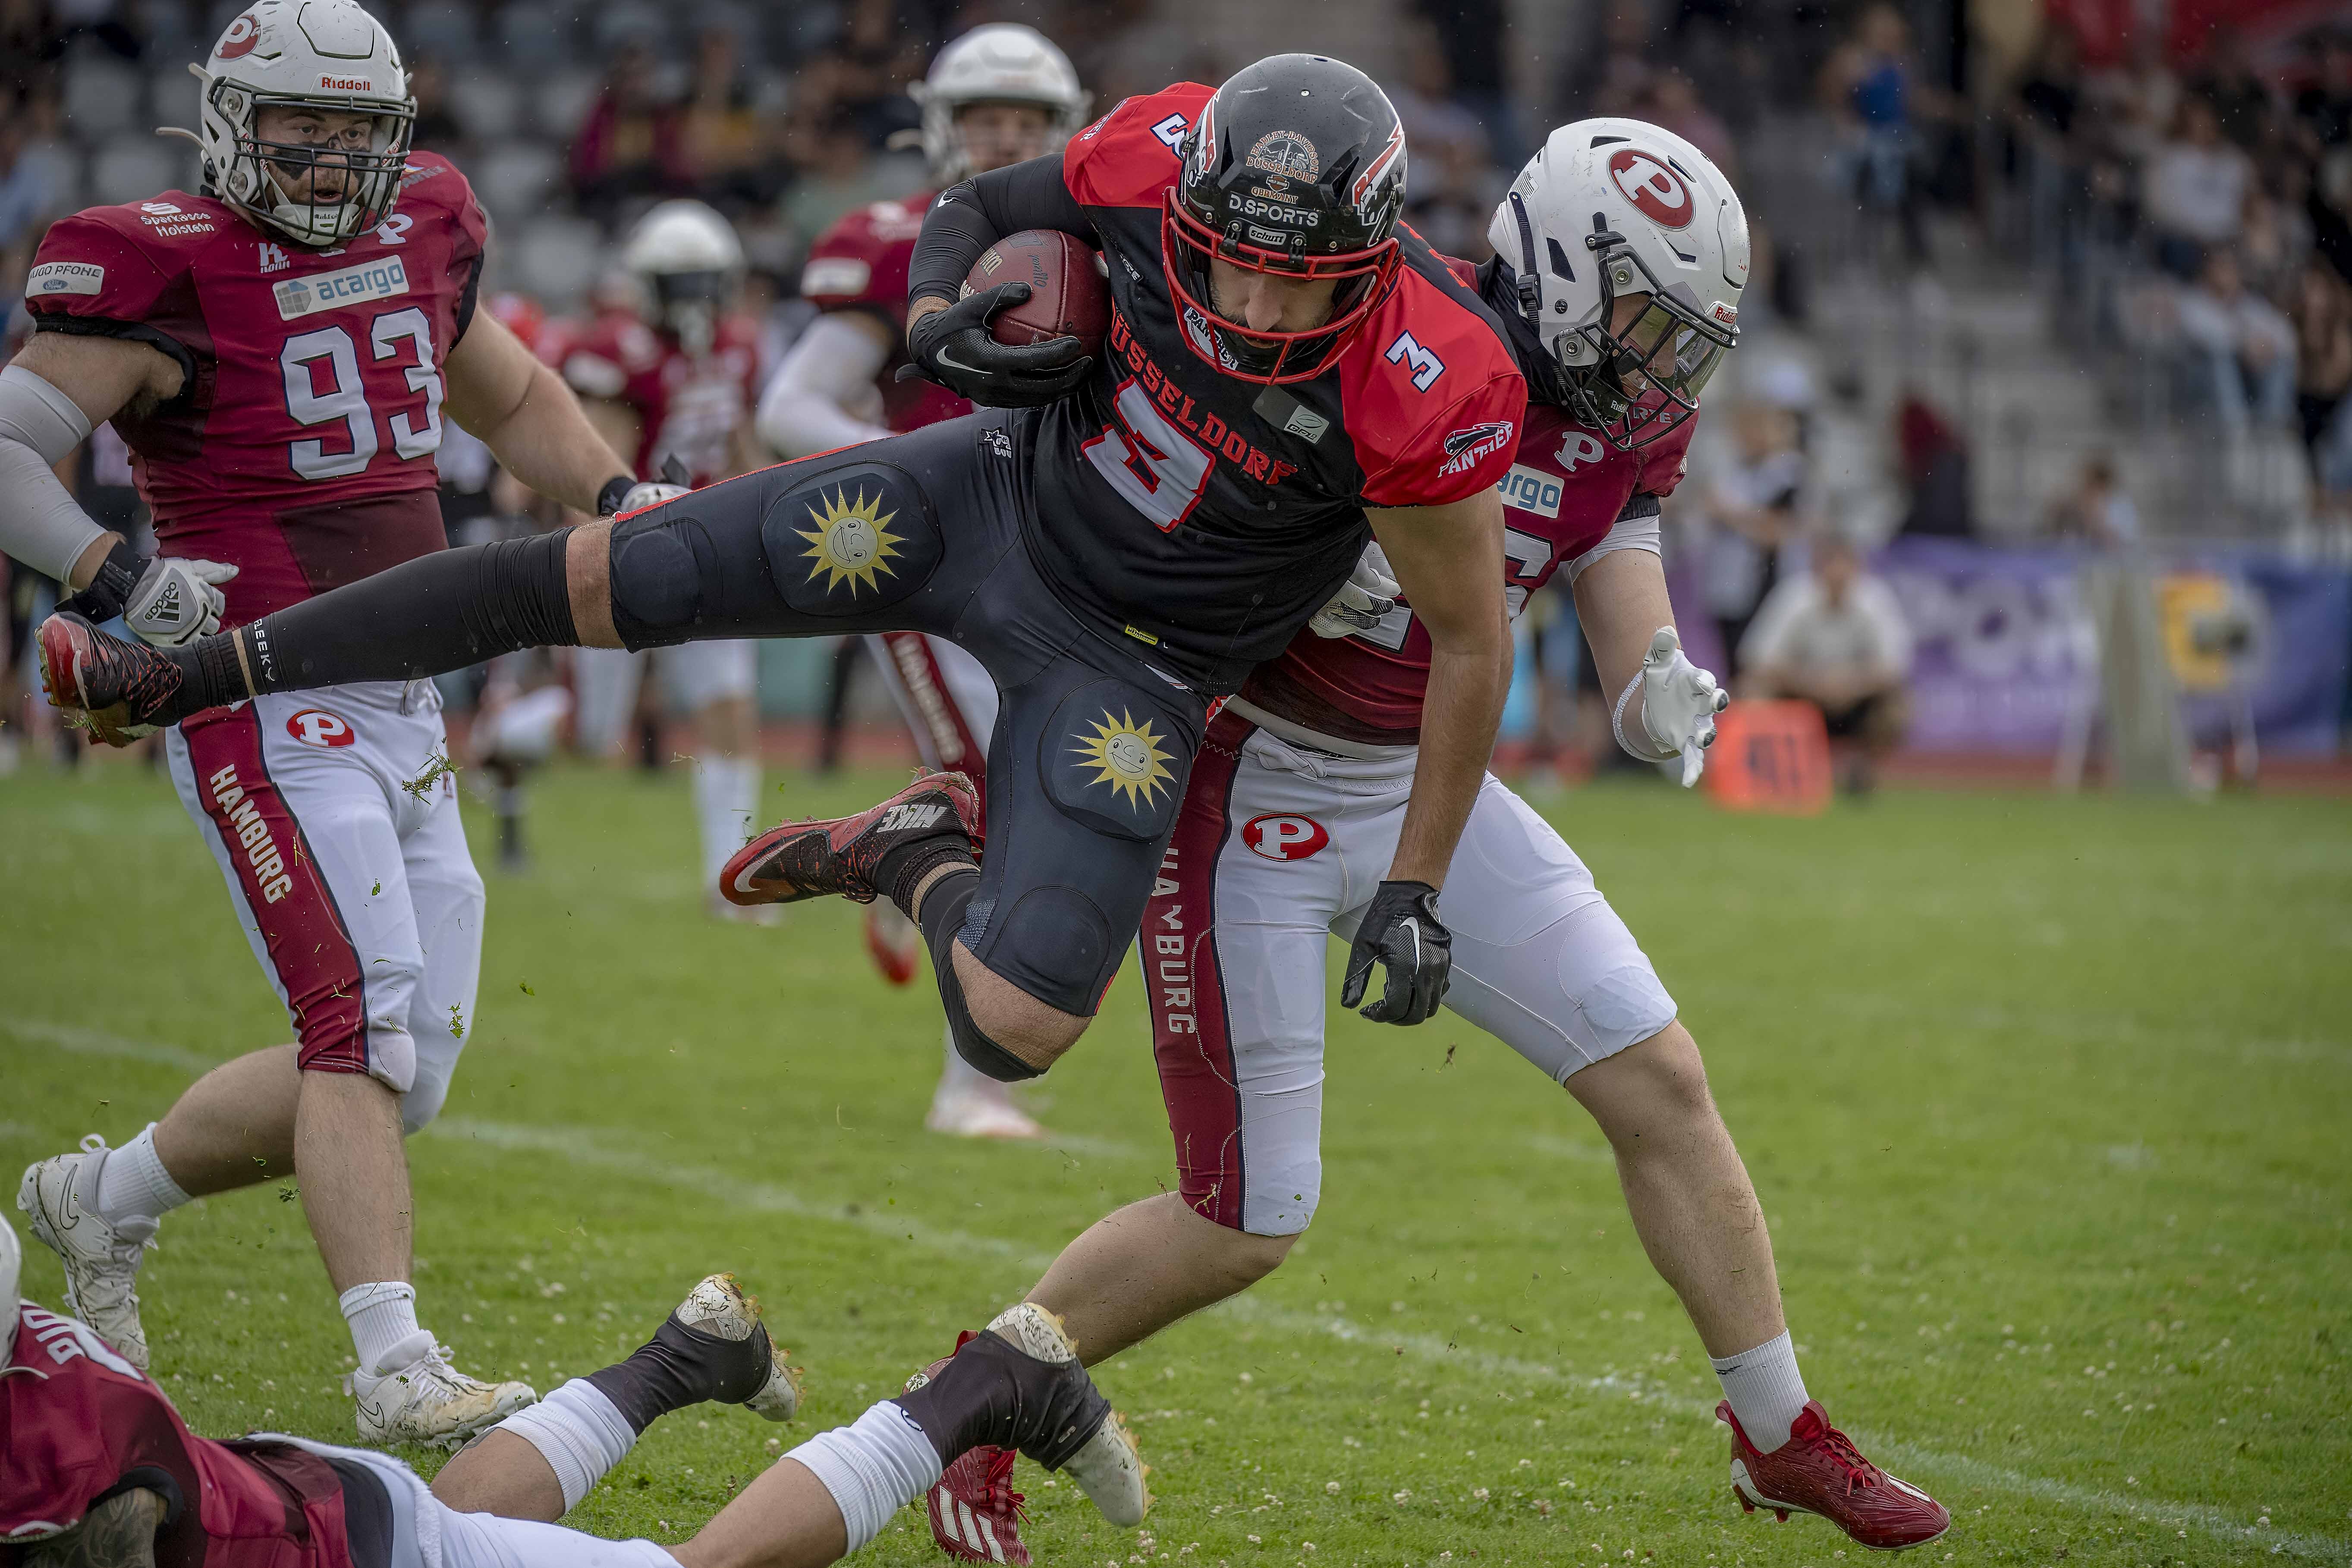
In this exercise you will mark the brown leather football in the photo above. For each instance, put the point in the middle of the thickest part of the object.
(1068, 295)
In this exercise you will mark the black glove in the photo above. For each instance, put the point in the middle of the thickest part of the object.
(1401, 932)
(954, 348)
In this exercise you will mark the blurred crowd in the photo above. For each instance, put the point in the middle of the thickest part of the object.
(2205, 214)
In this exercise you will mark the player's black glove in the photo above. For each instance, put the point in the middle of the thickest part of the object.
(954, 348)
(1401, 932)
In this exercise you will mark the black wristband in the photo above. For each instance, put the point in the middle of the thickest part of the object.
(109, 591)
(616, 490)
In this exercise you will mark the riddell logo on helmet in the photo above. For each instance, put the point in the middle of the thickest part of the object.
(346, 83)
(1658, 191)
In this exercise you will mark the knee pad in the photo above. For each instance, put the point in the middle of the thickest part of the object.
(1114, 764)
(851, 539)
(422, 1102)
(1054, 943)
(662, 561)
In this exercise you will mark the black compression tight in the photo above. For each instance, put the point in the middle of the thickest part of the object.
(427, 617)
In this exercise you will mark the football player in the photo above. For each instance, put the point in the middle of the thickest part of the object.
(1286, 369)
(675, 380)
(1621, 254)
(97, 1471)
(281, 349)
(1001, 94)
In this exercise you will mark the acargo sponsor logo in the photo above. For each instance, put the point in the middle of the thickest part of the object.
(380, 279)
(1530, 490)
(317, 727)
(1464, 447)
(1285, 838)
(239, 819)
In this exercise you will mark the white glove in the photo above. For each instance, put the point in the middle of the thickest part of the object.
(650, 493)
(1362, 601)
(176, 602)
(1679, 702)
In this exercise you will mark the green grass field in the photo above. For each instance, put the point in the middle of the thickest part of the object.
(2050, 1102)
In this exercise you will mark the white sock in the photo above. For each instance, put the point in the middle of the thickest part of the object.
(1766, 1391)
(726, 794)
(133, 1184)
(383, 1317)
(873, 1468)
(579, 1432)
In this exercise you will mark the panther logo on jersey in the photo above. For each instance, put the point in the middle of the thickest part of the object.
(852, 540)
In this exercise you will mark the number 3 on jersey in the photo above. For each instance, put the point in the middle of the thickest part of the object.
(1155, 468)
(339, 395)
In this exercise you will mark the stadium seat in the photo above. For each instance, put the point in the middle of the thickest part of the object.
(134, 166)
(516, 180)
(489, 104)
(101, 96)
(555, 259)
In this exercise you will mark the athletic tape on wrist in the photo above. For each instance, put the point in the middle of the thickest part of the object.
(1617, 725)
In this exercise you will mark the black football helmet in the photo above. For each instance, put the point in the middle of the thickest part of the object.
(1297, 168)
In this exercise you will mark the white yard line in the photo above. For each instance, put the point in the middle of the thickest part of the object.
(586, 1147)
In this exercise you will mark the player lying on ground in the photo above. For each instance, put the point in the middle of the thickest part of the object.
(97, 1471)
(1001, 94)
(1304, 778)
(281, 349)
(1123, 547)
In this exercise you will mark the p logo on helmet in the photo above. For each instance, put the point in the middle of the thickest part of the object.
(1656, 192)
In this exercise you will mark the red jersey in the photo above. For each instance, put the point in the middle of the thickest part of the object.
(77, 1421)
(689, 406)
(1562, 496)
(1208, 517)
(861, 264)
(300, 446)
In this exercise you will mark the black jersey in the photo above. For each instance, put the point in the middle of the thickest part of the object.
(1209, 517)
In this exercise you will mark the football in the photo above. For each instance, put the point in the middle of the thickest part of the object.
(1068, 295)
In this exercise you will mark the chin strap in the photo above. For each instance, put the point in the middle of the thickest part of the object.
(1531, 285)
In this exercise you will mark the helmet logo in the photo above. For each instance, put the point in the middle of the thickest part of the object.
(1285, 153)
(1390, 161)
(1657, 192)
(239, 40)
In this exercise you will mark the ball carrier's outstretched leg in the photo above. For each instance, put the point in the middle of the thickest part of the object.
(1095, 741)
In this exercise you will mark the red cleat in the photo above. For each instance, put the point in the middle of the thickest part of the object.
(893, 941)
(843, 855)
(120, 690)
(1819, 1471)
(975, 1514)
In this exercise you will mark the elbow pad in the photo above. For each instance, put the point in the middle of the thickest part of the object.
(39, 522)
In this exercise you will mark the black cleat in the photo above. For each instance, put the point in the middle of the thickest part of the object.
(1018, 1385)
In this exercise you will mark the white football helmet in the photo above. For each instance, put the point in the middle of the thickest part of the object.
(324, 55)
(1618, 207)
(12, 1264)
(1003, 62)
(688, 261)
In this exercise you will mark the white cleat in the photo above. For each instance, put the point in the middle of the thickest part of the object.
(59, 1197)
(431, 1402)
(1110, 1468)
(979, 1110)
(719, 1308)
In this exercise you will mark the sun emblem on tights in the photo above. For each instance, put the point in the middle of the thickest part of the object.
(1127, 756)
(852, 540)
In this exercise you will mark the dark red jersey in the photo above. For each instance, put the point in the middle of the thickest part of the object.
(300, 446)
(1219, 513)
(861, 264)
(77, 1422)
(1567, 490)
(689, 406)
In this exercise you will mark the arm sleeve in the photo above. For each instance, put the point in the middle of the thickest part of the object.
(805, 408)
(40, 524)
(969, 218)
(1636, 528)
